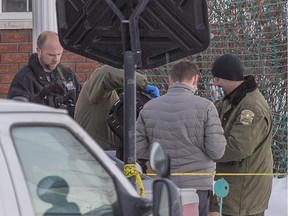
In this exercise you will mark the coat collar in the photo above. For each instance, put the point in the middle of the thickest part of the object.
(35, 64)
(240, 92)
(38, 70)
(180, 86)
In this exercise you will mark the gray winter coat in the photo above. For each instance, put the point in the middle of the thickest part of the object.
(189, 129)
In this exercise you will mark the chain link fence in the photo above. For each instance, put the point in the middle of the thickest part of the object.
(255, 31)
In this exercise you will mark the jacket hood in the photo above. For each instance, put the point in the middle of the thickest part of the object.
(36, 67)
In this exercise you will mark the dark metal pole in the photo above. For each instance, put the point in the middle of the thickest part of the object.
(132, 58)
(129, 111)
(134, 32)
(129, 94)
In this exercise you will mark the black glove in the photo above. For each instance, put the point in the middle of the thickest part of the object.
(54, 88)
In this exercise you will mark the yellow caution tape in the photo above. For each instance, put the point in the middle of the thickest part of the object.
(130, 171)
(222, 174)
(140, 184)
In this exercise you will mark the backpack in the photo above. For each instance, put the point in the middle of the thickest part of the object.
(116, 114)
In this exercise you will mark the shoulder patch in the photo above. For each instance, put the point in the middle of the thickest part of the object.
(247, 117)
(69, 85)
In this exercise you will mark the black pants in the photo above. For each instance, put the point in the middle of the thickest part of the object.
(203, 202)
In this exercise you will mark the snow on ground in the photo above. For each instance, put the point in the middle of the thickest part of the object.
(278, 204)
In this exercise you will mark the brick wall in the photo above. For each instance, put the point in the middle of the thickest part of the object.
(15, 49)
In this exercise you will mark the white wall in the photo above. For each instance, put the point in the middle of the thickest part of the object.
(43, 18)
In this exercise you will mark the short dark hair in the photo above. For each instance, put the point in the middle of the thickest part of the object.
(183, 70)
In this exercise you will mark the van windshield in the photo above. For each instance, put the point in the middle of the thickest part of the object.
(62, 176)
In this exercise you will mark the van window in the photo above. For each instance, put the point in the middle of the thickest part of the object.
(62, 176)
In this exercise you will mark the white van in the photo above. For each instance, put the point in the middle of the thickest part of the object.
(50, 166)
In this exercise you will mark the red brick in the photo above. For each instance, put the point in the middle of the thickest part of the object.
(30, 37)
(71, 57)
(7, 78)
(14, 38)
(15, 57)
(91, 60)
(21, 65)
(25, 47)
(4, 88)
(8, 68)
(8, 48)
(69, 65)
(81, 77)
(86, 67)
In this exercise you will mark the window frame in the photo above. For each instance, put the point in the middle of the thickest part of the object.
(15, 20)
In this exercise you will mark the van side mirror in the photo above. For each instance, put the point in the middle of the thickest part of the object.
(166, 197)
(159, 160)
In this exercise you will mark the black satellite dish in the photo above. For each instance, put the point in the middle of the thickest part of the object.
(165, 31)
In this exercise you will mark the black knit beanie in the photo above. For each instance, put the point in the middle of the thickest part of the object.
(228, 67)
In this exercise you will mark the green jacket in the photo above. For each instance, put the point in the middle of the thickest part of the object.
(247, 124)
(95, 100)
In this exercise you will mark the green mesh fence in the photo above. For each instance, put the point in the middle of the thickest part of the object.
(255, 31)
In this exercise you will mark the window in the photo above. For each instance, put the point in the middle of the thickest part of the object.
(15, 14)
(16, 5)
(62, 176)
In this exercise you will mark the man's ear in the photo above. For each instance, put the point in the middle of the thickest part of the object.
(194, 80)
(38, 50)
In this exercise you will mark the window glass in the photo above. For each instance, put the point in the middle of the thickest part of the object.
(16, 5)
(63, 177)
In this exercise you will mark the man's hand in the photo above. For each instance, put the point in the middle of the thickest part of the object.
(153, 91)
